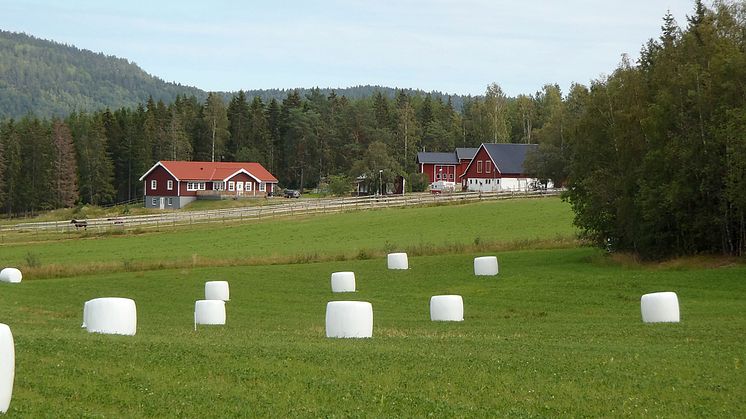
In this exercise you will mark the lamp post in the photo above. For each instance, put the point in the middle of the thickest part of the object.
(380, 182)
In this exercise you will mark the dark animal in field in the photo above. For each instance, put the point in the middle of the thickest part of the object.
(80, 223)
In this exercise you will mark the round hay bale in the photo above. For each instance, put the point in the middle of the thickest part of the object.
(447, 308)
(209, 312)
(343, 282)
(349, 319)
(11, 275)
(110, 315)
(217, 290)
(660, 307)
(485, 265)
(7, 366)
(398, 261)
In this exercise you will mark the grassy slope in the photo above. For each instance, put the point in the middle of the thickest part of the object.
(558, 333)
(343, 234)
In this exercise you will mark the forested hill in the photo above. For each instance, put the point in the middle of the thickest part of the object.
(46, 79)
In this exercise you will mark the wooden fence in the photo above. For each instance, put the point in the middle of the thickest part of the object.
(286, 209)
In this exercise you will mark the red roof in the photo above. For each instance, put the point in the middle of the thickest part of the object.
(207, 171)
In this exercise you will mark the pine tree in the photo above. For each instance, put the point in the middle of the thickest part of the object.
(239, 126)
(216, 118)
(65, 166)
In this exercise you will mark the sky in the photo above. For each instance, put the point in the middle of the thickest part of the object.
(452, 46)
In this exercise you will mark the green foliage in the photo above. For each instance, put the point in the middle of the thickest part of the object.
(656, 160)
(340, 185)
(418, 182)
(50, 79)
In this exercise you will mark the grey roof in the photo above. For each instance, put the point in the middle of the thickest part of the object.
(438, 158)
(466, 153)
(509, 158)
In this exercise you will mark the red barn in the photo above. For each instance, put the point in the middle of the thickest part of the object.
(498, 167)
(174, 184)
(438, 166)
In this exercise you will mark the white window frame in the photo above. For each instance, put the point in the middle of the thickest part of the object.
(170, 185)
(262, 187)
(487, 166)
(170, 201)
(248, 187)
(479, 166)
(231, 186)
(218, 185)
(155, 202)
(153, 185)
(196, 186)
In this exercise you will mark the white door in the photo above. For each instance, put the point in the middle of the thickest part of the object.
(162, 203)
(239, 188)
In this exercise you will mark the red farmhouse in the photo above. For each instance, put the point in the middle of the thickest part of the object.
(174, 184)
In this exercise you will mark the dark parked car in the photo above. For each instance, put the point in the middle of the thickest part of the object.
(291, 193)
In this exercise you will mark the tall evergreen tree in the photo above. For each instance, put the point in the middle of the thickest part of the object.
(239, 127)
(65, 168)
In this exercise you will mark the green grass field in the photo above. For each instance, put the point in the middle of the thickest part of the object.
(335, 236)
(556, 333)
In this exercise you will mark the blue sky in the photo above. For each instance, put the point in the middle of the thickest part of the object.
(453, 46)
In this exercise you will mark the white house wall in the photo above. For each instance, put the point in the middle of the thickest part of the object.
(499, 184)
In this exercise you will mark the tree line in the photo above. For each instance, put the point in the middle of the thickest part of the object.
(98, 157)
(654, 155)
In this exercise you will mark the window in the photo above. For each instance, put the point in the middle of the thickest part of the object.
(450, 176)
(231, 186)
(170, 185)
(479, 166)
(262, 186)
(153, 185)
(196, 186)
(218, 186)
(170, 200)
(248, 187)
(488, 166)
(155, 202)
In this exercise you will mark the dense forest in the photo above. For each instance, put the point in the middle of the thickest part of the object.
(98, 157)
(653, 156)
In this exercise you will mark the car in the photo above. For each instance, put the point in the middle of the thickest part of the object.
(291, 193)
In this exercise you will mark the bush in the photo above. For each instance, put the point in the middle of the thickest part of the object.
(340, 185)
(418, 182)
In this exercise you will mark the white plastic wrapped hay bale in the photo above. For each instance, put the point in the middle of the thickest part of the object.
(11, 275)
(397, 261)
(209, 312)
(447, 308)
(349, 319)
(343, 282)
(110, 315)
(660, 307)
(217, 290)
(485, 265)
(7, 366)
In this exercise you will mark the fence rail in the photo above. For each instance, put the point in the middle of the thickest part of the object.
(290, 209)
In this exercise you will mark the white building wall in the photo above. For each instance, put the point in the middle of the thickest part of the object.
(499, 185)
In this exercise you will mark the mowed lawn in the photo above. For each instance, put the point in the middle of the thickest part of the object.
(556, 333)
(345, 235)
